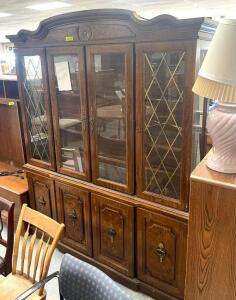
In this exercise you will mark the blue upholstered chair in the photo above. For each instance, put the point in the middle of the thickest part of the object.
(81, 281)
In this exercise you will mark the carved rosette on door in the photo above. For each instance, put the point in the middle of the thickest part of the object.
(84, 33)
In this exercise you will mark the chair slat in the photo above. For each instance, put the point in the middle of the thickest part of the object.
(25, 239)
(36, 261)
(30, 252)
(49, 256)
(17, 239)
(44, 254)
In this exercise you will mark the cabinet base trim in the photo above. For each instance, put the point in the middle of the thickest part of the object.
(132, 283)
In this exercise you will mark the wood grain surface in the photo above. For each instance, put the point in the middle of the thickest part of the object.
(211, 261)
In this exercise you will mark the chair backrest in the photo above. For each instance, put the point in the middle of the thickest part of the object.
(79, 280)
(48, 230)
(6, 261)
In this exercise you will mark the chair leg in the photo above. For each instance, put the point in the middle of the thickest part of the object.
(61, 298)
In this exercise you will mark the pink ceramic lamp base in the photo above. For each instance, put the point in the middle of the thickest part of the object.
(221, 125)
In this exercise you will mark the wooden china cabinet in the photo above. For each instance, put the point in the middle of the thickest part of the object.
(108, 130)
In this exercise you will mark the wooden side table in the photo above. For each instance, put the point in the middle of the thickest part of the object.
(13, 189)
(211, 258)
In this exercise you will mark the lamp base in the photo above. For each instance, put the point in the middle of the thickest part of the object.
(221, 125)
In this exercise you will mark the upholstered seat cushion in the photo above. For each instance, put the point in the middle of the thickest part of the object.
(80, 280)
(14, 285)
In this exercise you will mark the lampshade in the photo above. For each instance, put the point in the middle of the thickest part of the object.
(217, 76)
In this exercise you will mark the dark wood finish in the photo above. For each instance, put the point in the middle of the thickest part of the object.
(188, 48)
(161, 245)
(42, 195)
(12, 149)
(121, 242)
(127, 50)
(120, 197)
(73, 206)
(211, 237)
(6, 261)
(113, 234)
(132, 283)
(11, 132)
(83, 114)
(20, 53)
(116, 25)
(15, 189)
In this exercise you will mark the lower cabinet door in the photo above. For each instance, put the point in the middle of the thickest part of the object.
(73, 207)
(161, 252)
(113, 234)
(41, 191)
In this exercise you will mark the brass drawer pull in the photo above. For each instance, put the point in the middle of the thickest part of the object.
(73, 215)
(112, 233)
(161, 252)
(41, 201)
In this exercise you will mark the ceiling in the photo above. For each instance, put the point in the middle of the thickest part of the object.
(24, 18)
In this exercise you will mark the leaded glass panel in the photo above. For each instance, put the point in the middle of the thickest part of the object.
(35, 107)
(164, 85)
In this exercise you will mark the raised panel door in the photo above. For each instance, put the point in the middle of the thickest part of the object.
(42, 197)
(73, 206)
(113, 226)
(161, 244)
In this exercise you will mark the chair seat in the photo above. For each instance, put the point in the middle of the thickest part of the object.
(14, 285)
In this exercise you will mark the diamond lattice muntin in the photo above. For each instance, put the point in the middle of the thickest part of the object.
(164, 84)
(35, 108)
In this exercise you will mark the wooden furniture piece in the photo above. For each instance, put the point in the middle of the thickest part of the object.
(13, 188)
(20, 280)
(12, 148)
(75, 279)
(114, 91)
(211, 238)
(6, 261)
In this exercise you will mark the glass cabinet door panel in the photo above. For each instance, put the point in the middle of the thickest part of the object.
(69, 107)
(37, 110)
(160, 122)
(110, 109)
(164, 74)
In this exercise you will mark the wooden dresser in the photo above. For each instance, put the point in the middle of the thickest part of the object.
(211, 239)
(108, 130)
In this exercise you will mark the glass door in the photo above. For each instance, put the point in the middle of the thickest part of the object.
(164, 121)
(31, 69)
(110, 84)
(69, 107)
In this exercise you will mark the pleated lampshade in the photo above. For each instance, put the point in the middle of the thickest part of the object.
(217, 76)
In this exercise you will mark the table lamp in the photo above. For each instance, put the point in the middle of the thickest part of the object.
(217, 80)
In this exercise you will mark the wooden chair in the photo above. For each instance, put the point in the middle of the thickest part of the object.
(6, 261)
(37, 254)
(79, 280)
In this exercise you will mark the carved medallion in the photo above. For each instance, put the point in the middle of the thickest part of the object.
(85, 33)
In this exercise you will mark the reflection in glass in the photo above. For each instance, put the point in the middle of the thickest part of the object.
(69, 111)
(35, 107)
(111, 116)
(164, 84)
